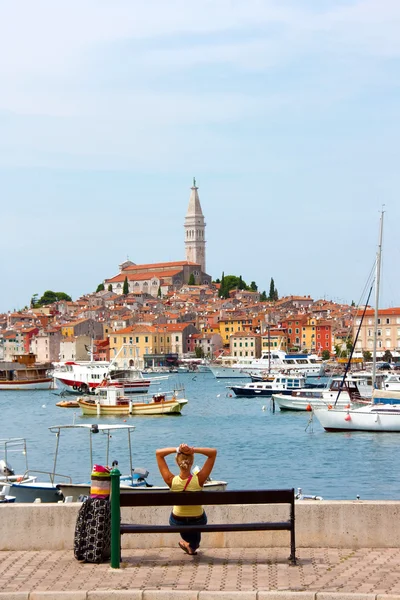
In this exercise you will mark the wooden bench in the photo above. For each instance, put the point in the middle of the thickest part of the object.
(166, 498)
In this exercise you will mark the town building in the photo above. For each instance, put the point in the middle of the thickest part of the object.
(388, 332)
(245, 343)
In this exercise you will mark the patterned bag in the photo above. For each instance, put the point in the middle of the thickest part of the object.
(92, 541)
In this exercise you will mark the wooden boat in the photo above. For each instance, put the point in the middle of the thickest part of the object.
(68, 404)
(111, 400)
(24, 374)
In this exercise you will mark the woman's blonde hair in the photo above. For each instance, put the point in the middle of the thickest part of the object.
(184, 461)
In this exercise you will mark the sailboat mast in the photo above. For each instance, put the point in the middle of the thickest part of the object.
(377, 285)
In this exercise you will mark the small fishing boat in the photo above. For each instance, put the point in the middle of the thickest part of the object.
(25, 487)
(68, 404)
(111, 400)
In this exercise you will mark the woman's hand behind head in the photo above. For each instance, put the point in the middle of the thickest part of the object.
(185, 449)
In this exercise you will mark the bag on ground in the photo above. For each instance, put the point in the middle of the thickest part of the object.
(92, 541)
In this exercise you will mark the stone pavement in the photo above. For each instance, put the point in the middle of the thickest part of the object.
(214, 574)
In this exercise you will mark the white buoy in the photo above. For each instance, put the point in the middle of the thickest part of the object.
(263, 408)
(218, 395)
(43, 406)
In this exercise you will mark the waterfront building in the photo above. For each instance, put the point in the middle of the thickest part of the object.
(208, 343)
(245, 343)
(388, 333)
(143, 345)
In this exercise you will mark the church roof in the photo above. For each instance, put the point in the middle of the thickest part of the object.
(163, 265)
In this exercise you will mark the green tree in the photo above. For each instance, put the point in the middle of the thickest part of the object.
(199, 352)
(253, 286)
(125, 288)
(367, 356)
(191, 280)
(34, 300)
(349, 345)
(353, 303)
(325, 355)
(263, 296)
(49, 297)
(100, 287)
(159, 292)
(387, 357)
(273, 292)
(231, 282)
(109, 287)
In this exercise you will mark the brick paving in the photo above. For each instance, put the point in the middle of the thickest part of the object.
(362, 573)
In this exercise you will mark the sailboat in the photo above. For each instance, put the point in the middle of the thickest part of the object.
(383, 412)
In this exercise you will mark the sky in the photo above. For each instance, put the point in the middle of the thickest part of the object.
(287, 112)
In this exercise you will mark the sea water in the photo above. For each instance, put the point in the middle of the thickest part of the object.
(257, 448)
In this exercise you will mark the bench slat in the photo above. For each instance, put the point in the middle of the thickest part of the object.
(147, 497)
(277, 526)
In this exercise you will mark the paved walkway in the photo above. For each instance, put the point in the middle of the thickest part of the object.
(168, 573)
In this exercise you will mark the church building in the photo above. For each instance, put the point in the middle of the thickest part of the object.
(149, 278)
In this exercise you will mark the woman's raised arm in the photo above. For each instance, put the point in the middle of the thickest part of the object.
(166, 474)
(206, 469)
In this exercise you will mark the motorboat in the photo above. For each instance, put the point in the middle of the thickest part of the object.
(23, 373)
(111, 400)
(271, 362)
(84, 377)
(280, 384)
(25, 487)
(341, 393)
(135, 480)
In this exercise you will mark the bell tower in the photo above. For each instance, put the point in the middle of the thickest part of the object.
(195, 243)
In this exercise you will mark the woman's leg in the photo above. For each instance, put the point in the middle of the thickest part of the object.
(192, 538)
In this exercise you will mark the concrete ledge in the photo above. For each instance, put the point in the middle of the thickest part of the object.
(325, 524)
(191, 595)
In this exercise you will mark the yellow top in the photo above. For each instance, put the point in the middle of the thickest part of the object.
(177, 485)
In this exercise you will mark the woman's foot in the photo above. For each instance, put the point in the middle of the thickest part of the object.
(186, 548)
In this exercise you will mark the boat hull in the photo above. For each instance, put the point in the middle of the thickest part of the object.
(26, 492)
(371, 418)
(132, 408)
(307, 403)
(140, 386)
(39, 384)
(75, 490)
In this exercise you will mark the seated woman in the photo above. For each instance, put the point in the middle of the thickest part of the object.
(186, 481)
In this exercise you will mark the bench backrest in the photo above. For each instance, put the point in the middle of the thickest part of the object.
(147, 497)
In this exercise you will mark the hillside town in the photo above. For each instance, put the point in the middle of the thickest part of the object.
(156, 315)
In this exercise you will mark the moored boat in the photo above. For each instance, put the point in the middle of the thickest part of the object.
(279, 384)
(85, 377)
(23, 373)
(111, 400)
(342, 393)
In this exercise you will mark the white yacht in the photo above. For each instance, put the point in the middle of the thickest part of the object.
(270, 362)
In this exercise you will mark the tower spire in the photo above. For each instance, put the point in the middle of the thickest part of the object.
(195, 243)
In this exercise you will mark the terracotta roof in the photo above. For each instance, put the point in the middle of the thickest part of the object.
(143, 276)
(179, 263)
